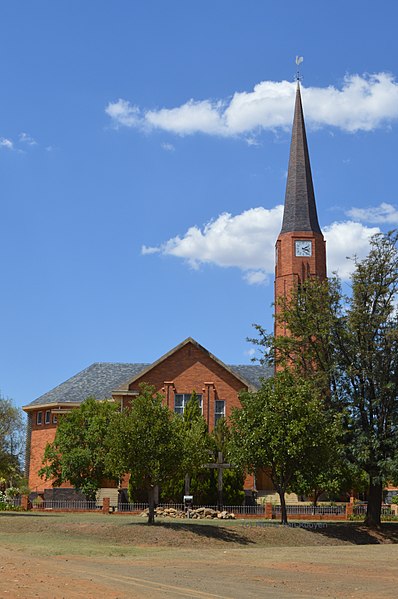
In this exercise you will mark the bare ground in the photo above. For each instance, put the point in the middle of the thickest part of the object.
(95, 556)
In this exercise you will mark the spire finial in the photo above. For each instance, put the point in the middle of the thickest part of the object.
(299, 60)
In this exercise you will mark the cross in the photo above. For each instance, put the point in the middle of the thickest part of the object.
(220, 465)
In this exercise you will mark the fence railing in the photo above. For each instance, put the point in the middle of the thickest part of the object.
(340, 511)
(360, 510)
(66, 505)
(311, 510)
(13, 501)
(132, 507)
(246, 510)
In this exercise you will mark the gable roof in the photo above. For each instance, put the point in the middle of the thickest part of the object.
(101, 379)
(235, 372)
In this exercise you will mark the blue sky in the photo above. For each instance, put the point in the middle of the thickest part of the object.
(143, 157)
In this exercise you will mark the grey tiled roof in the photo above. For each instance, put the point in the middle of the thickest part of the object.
(101, 378)
(98, 380)
(300, 209)
(252, 373)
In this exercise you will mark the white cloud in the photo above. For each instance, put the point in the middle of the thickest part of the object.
(384, 213)
(250, 352)
(6, 143)
(27, 139)
(344, 241)
(256, 277)
(146, 250)
(167, 146)
(364, 102)
(246, 241)
(124, 113)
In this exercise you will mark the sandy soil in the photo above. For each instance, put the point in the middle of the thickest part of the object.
(360, 571)
(175, 560)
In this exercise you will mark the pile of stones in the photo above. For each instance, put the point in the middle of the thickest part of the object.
(198, 514)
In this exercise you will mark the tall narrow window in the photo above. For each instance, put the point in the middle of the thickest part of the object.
(48, 417)
(39, 418)
(219, 410)
(181, 400)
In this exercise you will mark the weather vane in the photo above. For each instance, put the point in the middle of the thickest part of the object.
(299, 60)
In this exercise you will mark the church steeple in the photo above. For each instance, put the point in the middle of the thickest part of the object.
(300, 208)
(300, 247)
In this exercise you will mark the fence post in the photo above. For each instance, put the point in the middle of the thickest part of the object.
(25, 502)
(349, 510)
(106, 504)
(268, 511)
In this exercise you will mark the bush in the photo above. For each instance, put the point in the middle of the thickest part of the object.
(384, 518)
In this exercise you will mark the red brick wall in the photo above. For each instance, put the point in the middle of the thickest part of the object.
(40, 436)
(189, 368)
(291, 269)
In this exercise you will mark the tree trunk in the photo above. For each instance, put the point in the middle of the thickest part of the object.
(187, 484)
(316, 496)
(151, 501)
(373, 513)
(283, 507)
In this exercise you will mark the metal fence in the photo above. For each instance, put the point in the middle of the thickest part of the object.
(360, 510)
(251, 510)
(245, 510)
(311, 510)
(13, 501)
(66, 505)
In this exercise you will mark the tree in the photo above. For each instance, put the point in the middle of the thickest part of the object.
(233, 478)
(146, 442)
(78, 453)
(196, 447)
(196, 440)
(285, 428)
(349, 345)
(368, 357)
(11, 441)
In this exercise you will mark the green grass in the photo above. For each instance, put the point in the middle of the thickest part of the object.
(48, 534)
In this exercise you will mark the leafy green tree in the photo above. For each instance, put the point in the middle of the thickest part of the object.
(349, 345)
(285, 428)
(12, 432)
(233, 478)
(196, 442)
(78, 452)
(146, 441)
(369, 367)
(338, 477)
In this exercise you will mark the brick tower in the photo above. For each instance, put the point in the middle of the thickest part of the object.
(300, 247)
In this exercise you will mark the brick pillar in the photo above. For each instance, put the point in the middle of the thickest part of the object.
(106, 504)
(268, 511)
(349, 510)
(25, 502)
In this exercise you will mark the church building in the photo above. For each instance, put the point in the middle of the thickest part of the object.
(300, 252)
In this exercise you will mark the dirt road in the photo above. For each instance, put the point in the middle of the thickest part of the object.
(364, 572)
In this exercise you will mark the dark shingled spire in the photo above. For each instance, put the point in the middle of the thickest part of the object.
(300, 209)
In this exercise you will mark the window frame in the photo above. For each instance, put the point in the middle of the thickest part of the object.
(217, 413)
(39, 418)
(185, 398)
(47, 417)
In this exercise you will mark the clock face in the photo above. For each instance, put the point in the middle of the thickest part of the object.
(303, 247)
